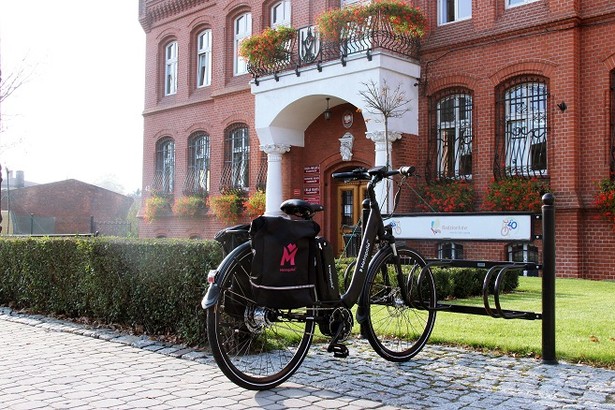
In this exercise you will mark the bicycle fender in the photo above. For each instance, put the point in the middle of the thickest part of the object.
(211, 297)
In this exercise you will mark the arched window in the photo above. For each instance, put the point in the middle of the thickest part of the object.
(165, 166)
(237, 158)
(203, 51)
(522, 132)
(452, 125)
(198, 175)
(170, 68)
(242, 29)
(280, 14)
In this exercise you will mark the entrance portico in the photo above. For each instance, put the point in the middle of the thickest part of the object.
(287, 104)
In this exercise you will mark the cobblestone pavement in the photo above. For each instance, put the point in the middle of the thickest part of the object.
(51, 364)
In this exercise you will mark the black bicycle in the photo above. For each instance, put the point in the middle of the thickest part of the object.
(258, 347)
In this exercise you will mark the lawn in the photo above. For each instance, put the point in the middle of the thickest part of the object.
(584, 316)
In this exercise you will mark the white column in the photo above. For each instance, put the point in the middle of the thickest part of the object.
(384, 193)
(274, 178)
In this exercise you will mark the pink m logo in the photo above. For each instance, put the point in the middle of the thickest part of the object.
(288, 257)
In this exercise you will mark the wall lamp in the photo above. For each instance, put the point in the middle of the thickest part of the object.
(562, 106)
(327, 113)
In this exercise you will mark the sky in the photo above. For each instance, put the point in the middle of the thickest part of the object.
(78, 112)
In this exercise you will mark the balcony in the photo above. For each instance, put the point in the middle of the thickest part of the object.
(308, 49)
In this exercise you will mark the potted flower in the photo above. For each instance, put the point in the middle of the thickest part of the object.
(516, 194)
(403, 18)
(254, 206)
(269, 46)
(227, 207)
(447, 196)
(189, 206)
(156, 206)
(605, 200)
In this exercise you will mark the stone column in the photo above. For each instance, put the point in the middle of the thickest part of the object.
(274, 177)
(384, 193)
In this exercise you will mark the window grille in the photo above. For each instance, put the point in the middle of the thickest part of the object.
(165, 166)
(612, 146)
(521, 140)
(198, 175)
(450, 141)
(236, 174)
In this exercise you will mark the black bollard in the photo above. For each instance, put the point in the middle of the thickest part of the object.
(548, 279)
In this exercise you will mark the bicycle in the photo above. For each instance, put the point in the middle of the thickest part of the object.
(259, 348)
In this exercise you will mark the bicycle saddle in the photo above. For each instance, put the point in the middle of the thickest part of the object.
(301, 208)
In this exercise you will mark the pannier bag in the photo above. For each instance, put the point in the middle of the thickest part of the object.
(283, 265)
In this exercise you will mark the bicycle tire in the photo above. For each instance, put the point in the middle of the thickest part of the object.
(396, 326)
(255, 347)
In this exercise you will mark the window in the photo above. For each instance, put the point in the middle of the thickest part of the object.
(450, 250)
(280, 14)
(165, 166)
(454, 136)
(170, 68)
(512, 3)
(198, 177)
(203, 69)
(454, 10)
(523, 252)
(237, 157)
(243, 30)
(525, 128)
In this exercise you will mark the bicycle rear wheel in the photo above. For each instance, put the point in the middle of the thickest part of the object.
(255, 347)
(398, 325)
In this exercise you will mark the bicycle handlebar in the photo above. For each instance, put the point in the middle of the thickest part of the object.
(380, 172)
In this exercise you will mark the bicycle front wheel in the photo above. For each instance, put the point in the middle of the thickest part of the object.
(257, 348)
(398, 325)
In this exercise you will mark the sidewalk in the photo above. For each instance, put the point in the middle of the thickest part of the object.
(51, 364)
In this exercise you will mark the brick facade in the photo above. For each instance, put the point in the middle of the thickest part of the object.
(568, 44)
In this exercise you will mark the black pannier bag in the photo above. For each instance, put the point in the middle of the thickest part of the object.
(284, 262)
(326, 274)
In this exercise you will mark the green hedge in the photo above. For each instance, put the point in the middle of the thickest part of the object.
(153, 284)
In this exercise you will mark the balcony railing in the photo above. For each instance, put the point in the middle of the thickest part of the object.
(308, 49)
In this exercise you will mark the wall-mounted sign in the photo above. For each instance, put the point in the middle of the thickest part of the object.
(311, 190)
(311, 179)
(312, 169)
(312, 199)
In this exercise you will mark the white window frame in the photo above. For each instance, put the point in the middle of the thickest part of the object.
(203, 69)
(170, 68)
(280, 14)
(458, 124)
(516, 3)
(346, 3)
(242, 29)
(442, 4)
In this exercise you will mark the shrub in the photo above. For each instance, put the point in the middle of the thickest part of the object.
(189, 206)
(155, 207)
(516, 194)
(254, 206)
(268, 46)
(447, 196)
(605, 200)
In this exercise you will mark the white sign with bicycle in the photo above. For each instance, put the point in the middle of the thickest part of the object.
(496, 227)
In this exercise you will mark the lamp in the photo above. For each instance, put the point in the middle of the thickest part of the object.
(562, 106)
(327, 113)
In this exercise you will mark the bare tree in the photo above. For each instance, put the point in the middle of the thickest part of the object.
(388, 103)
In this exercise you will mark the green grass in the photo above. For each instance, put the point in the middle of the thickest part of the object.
(584, 317)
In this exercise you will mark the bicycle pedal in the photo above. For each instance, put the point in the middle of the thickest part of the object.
(338, 350)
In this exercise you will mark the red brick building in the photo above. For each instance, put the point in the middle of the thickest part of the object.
(498, 89)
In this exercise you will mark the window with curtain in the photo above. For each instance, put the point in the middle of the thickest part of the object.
(170, 68)
(242, 30)
(203, 69)
(165, 166)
